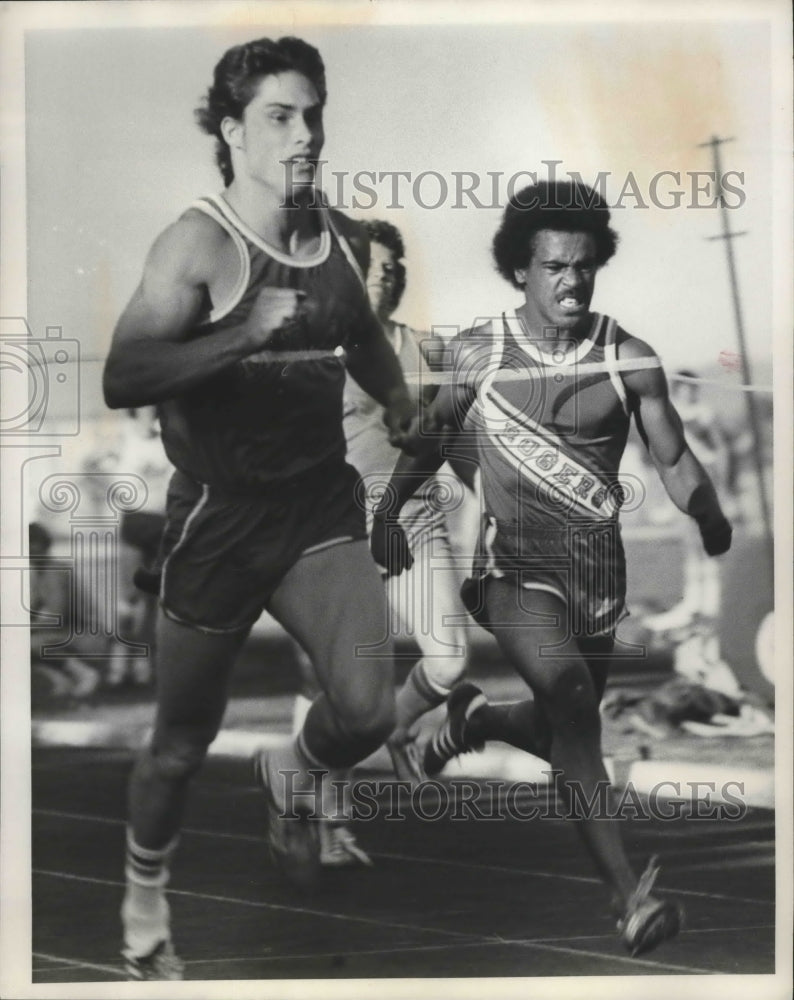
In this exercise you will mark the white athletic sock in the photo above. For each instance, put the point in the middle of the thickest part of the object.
(299, 712)
(145, 914)
(417, 696)
(314, 791)
(335, 783)
(146, 920)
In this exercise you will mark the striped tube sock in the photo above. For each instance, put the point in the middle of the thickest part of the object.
(454, 737)
(144, 912)
(417, 696)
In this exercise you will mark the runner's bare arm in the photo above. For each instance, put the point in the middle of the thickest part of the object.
(458, 451)
(371, 361)
(388, 542)
(686, 481)
(153, 355)
(440, 419)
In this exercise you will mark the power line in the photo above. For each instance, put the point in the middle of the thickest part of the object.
(728, 236)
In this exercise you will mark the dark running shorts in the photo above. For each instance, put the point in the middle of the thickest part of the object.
(584, 565)
(143, 530)
(225, 556)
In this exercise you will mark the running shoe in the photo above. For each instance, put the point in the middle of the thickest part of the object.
(405, 757)
(648, 922)
(338, 847)
(293, 840)
(161, 963)
(454, 736)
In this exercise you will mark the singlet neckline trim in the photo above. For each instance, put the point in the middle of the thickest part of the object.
(319, 257)
(516, 327)
(405, 334)
(398, 337)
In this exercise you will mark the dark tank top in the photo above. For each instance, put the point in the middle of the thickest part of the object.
(264, 421)
(553, 431)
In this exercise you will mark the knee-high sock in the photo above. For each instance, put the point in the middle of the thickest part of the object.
(326, 740)
(418, 695)
(522, 724)
(145, 913)
(299, 780)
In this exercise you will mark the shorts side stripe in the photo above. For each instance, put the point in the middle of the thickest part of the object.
(329, 544)
(548, 587)
(199, 506)
(206, 629)
(488, 539)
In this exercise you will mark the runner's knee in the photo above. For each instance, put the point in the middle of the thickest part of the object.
(369, 720)
(570, 700)
(178, 760)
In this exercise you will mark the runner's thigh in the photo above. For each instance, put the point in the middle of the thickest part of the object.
(530, 627)
(333, 602)
(192, 674)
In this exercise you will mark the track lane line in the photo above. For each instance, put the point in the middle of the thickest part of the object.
(73, 963)
(461, 937)
(418, 859)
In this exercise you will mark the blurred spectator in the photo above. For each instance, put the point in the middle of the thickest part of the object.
(141, 454)
(693, 621)
(52, 620)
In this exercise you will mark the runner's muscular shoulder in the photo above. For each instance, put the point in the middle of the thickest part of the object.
(642, 382)
(656, 418)
(179, 270)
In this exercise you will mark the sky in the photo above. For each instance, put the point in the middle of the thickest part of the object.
(113, 155)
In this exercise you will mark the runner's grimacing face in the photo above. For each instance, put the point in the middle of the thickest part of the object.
(559, 280)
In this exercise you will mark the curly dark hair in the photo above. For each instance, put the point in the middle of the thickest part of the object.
(237, 76)
(389, 236)
(563, 206)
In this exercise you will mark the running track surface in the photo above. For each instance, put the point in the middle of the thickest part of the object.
(446, 898)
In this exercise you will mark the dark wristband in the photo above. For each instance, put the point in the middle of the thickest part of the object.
(716, 534)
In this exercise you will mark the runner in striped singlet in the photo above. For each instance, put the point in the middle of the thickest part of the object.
(550, 390)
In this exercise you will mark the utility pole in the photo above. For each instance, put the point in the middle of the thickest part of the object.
(752, 411)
